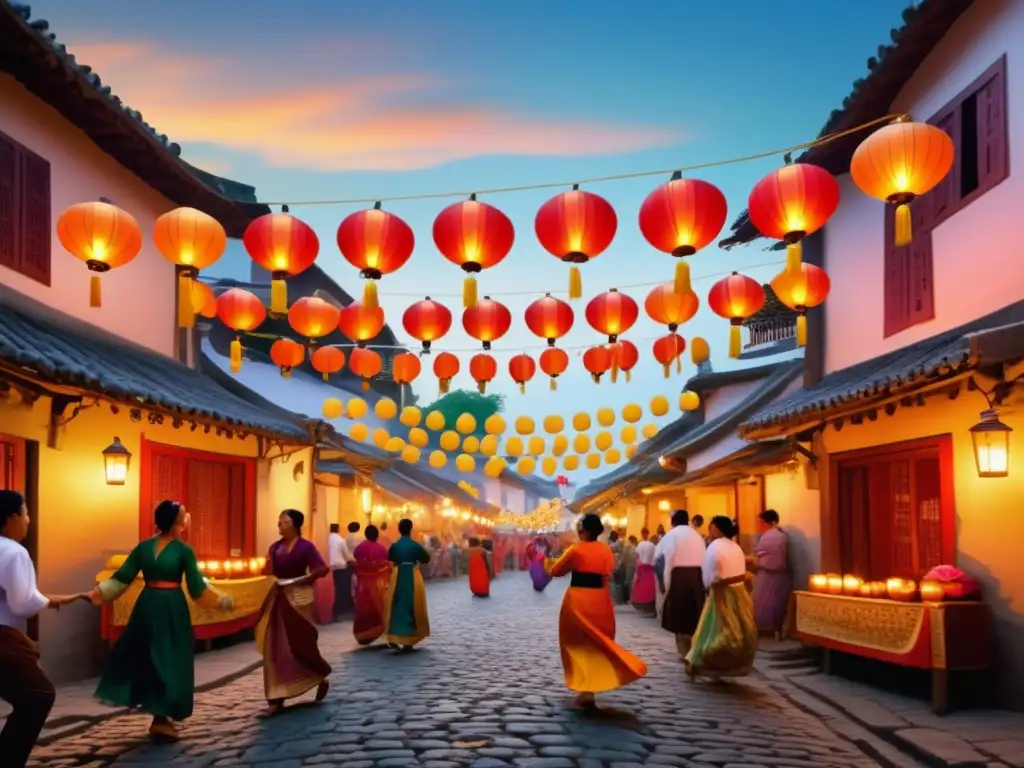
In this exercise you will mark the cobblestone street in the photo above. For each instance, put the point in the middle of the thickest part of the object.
(486, 691)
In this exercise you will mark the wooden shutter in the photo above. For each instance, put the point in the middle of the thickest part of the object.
(909, 295)
(208, 502)
(928, 514)
(896, 308)
(236, 508)
(945, 197)
(168, 481)
(9, 203)
(993, 130)
(854, 497)
(36, 252)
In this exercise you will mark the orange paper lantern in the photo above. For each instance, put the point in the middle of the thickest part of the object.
(669, 349)
(427, 321)
(364, 363)
(103, 236)
(597, 360)
(625, 356)
(361, 323)
(405, 368)
(554, 362)
(576, 227)
(287, 354)
(549, 318)
(736, 298)
(446, 368)
(666, 306)
(375, 242)
(327, 360)
(284, 246)
(800, 291)
(522, 368)
(242, 312)
(483, 369)
(475, 236)
(204, 301)
(192, 240)
(899, 163)
(612, 313)
(487, 321)
(313, 318)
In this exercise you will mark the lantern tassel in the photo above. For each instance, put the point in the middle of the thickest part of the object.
(629, 377)
(236, 355)
(553, 385)
(366, 385)
(575, 283)
(679, 364)
(325, 375)
(681, 285)
(186, 310)
(95, 292)
(614, 373)
(481, 386)
(735, 341)
(278, 297)
(522, 388)
(370, 300)
(801, 330)
(469, 297)
(904, 233)
(668, 369)
(794, 257)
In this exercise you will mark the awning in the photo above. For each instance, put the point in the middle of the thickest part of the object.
(754, 459)
(441, 487)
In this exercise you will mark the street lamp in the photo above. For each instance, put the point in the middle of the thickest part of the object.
(991, 439)
(116, 459)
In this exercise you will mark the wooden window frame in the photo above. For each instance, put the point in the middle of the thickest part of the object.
(147, 504)
(23, 227)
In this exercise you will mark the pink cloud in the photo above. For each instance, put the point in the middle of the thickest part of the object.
(397, 121)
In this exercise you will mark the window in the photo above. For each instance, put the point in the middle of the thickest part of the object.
(977, 122)
(24, 211)
(218, 492)
(12, 464)
(894, 509)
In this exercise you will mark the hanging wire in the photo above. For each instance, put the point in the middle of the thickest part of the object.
(602, 179)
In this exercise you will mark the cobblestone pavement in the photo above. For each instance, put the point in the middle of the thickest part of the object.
(484, 691)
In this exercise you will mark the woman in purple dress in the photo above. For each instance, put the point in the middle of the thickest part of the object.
(538, 552)
(772, 584)
(286, 634)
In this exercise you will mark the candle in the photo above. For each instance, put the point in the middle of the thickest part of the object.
(878, 589)
(201, 565)
(819, 583)
(852, 585)
(213, 566)
(864, 590)
(263, 563)
(835, 584)
(238, 566)
(932, 592)
(901, 589)
(254, 567)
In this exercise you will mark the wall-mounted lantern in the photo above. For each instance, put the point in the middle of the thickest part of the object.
(116, 459)
(991, 439)
(664, 505)
(366, 500)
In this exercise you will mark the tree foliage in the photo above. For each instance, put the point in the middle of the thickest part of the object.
(460, 401)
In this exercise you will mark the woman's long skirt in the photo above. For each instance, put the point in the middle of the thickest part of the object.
(771, 599)
(644, 589)
(371, 605)
(725, 642)
(406, 615)
(539, 574)
(479, 576)
(286, 636)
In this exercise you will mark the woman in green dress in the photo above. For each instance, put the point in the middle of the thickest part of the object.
(406, 615)
(151, 667)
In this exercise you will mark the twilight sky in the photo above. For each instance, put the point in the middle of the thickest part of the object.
(319, 100)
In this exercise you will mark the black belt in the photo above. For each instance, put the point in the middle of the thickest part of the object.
(587, 580)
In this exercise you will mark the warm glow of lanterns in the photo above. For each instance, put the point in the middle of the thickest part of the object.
(834, 584)
(554, 362)
(327, 360)
(818, 583)
(313, 318)
(204, 301)
(932, 592)
(549, 318)
(903, 590)
(446, 368)
(284, 246)
(405, 368)
(699, 350)
(522, 368)
(991, 440)
(191, 240)
(287, 354)
(669, 349)
(242, 312)
(852, 585)
(361, 323)
(576, 227)
(666, 306)
(475, 236)
(625, 356)
(900, 162)
(116, 460)
(364, 363)
(689, 401)
(487, 321)
(427, 321)
(612, 313)
(736, 298)
(597, 361)
(802, 289)
(103, 236)
(375, 242)
(483, 369)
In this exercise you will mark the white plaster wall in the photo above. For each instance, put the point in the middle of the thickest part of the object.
(799, 509)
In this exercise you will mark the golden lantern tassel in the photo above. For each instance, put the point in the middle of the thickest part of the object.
(522, 388)
(679, 364)
(278, 297)
(735, 341)
(469, 297)
(325, 375)
(794, 257)
(481, 386)
(629, 377)
(575, 283)
(553, 385)
(366, 385)
(186, 309)
(668, 369)
(681, 285)
(236, 355)
(95, 292)
(801, 330)
(370, 300)
(904, 234)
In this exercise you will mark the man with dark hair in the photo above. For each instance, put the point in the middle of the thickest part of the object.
(408, 623)
(682, 551)
(341, 570)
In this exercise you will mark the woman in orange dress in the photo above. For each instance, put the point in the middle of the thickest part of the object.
(592, 660)
(479, 570)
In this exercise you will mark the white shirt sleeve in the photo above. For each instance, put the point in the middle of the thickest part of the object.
(709, 568)
(19, 584)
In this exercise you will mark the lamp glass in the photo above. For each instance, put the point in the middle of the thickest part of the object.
(366, 500)
(116, 459)
(991, 441)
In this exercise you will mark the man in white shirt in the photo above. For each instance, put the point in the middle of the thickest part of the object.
(23, 684)
(340, 560)
(682, 552)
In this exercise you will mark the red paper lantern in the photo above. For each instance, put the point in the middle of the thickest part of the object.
(625, 356)
(192, 241)
(791, 203)
(549, 318)
(488, 321)
(284, 246)
(427, 321)
(612, 313)
(576, 227)
(287, 354)
(101, 235)
(327, 360)
(522, 368)
(666, 306)
(801, 291)
(375, 242)
(364, 363)
(361, 323)
(680, 218)
(204, 302)
(736, 298)
(405, 368)
(242, 312)
(446, 368)
(669, 349)
(554, 362)
(313, 318)
(483, 369)
(475, 236)
(597, 360)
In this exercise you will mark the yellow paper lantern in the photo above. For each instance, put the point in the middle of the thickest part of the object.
(659, 405)
(689, 401)
(435, 421)
(465, 463)
(571, 462)
(438, 459)
(612, 456)
(525, 425)
(381, 437)
(489, 445)
(465, 424)
(649, 431)
(385, 409)
(632, 413)
(630, 451)
(581, 444)
(581, 422)
(333, 408)
(359, 432)
(495, 466)
(471, 444)
(356, 408)
(549, 466)
(603, 441)
(526, 465)
(410, 454)
(536, 446)
(514, 446)
(495, 425)
(419, 437)
(699, 350)
(559, 445)
(411, 416)
(394, 445)
(605, 417)
(628, 434)
(450, 440)
(593, 460)
(553, 424)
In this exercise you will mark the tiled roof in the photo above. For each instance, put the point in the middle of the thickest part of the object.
(441, 486)
(404, 488)
(749, 460)
(992, 339)
(49, 346)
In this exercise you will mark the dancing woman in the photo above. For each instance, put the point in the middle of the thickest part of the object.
(373, 574)
(538, 552)
(406, 617)
(152, 666)
(479, 570)
(286, 633)
(592, 661)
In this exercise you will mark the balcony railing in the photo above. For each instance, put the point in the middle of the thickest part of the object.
(769, 332)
